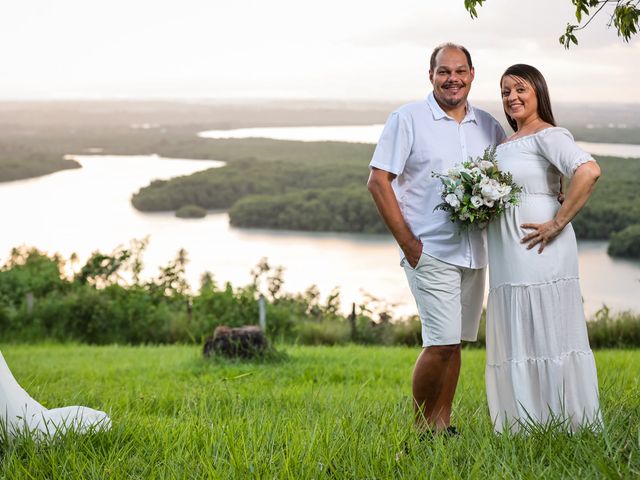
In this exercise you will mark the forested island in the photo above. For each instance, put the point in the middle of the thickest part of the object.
(280, 184)
(321, 187)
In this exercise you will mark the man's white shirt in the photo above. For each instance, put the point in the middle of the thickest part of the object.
(420, 138)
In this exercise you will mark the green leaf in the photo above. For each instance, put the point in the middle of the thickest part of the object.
(470, 6)
(568, 36)
(561, 40)
(625, 19)
(581, 7)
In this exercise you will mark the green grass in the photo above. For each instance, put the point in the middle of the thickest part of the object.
(324, 412)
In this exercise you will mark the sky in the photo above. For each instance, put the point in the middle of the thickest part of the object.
(293, 49)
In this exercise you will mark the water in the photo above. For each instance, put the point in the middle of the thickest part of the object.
(336, 133)
(371, 134)
(614, 282)
(89, 209)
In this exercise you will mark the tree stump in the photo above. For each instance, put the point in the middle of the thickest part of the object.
(242, 342)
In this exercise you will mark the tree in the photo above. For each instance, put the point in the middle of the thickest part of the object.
(624, 17)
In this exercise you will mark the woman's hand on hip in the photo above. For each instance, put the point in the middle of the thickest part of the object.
(543, 234)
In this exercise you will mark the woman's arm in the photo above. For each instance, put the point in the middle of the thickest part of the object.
(582, 184)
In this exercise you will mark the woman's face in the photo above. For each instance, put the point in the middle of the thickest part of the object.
(518, 98)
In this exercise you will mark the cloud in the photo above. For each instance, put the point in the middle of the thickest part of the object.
(334, 49)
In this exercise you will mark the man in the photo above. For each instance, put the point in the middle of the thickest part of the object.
(445, 267)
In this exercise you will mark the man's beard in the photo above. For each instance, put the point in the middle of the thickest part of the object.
(454, 102)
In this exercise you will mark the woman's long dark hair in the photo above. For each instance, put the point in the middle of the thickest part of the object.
(533, 76)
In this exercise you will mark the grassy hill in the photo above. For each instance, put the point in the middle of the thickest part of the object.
(339, 412)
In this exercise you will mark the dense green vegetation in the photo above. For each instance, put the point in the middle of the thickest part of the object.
(347, 209)
(626, 243)
(615, 203)
(607, 331)
(267, 183)
(33, 164)
(191, 211)
(324, 190)
(339, 412)
(604, 134)
(35, 136)
(268, 168)
(105, 301)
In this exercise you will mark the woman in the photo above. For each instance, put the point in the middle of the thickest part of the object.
(540, 368)
(19, 413)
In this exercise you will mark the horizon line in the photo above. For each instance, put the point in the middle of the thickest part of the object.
(251, 99)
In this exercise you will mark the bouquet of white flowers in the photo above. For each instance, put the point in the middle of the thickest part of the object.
(476, 192)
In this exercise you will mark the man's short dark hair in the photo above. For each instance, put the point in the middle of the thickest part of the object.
(432, 63)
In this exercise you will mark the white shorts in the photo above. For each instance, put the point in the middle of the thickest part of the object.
(449, 300)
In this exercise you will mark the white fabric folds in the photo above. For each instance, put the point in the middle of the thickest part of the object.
(21, 414)
(540, 369)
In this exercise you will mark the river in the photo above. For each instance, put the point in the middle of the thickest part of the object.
(89, 209)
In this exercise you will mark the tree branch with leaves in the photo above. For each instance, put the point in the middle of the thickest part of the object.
(624, 16)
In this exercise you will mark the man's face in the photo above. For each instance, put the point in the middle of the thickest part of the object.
(451, 78)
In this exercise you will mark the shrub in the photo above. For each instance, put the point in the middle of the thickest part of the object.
(619, 331)
(214, 307)
(407, 332)
(29, 271)
(97, 306)
(322, 333)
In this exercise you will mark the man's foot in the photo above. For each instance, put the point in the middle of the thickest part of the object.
(451, 431)
(428, 435)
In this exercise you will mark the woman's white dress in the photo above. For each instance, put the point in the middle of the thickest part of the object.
(540, 368)
(19, 413)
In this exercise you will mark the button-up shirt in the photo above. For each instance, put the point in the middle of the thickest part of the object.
(420, 138)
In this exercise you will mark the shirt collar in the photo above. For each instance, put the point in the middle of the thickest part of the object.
(439, 113)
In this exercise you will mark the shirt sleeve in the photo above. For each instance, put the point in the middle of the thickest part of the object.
(558, 146)
(394, 146)
(500, 136)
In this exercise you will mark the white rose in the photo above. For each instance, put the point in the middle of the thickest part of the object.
(485, 165)
(488, 203)
(505, 190)
(479, 178)
(476, 201)
(489, 192)
(453, 172)
(452, 200)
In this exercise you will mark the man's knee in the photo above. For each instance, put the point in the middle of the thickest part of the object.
(444, 352)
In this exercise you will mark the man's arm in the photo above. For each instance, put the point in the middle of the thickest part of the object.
(379, 185)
